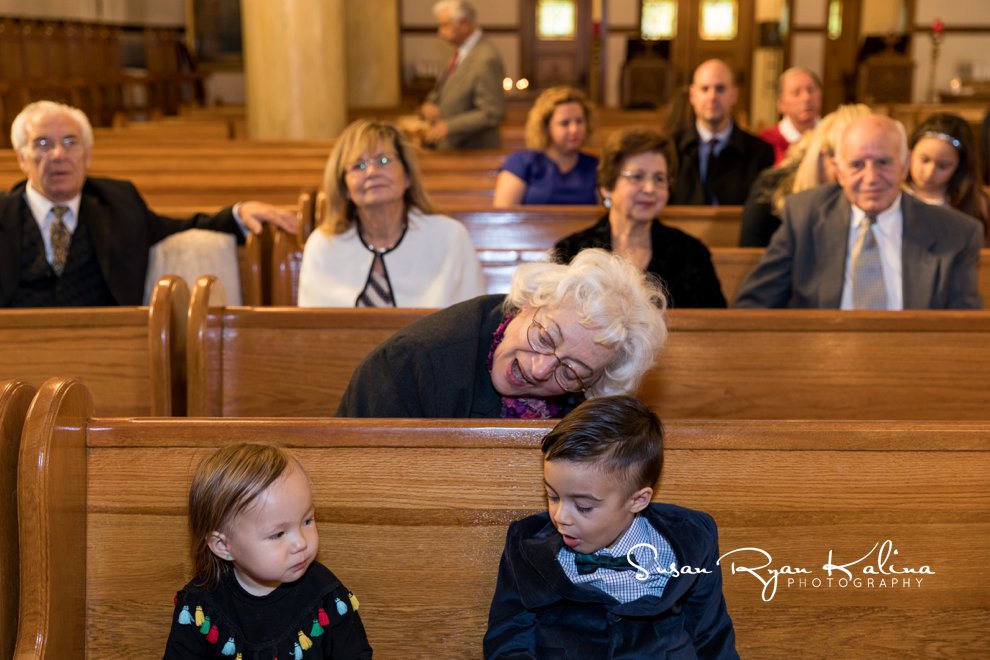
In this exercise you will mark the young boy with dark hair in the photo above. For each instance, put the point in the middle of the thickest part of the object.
(605, 573)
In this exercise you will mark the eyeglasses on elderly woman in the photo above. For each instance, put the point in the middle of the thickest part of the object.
(542, 342)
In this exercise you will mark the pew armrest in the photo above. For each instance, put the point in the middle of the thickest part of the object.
(51, 484)
(15, 398)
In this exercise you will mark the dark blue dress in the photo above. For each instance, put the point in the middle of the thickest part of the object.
(545, 184)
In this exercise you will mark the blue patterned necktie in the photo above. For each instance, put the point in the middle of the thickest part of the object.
(711, 198)
(587, 564)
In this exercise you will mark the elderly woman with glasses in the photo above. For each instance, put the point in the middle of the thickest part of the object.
(380, 243)
(634, 178)
(564, 332)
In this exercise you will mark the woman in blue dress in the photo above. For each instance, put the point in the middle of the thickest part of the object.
(553, 170)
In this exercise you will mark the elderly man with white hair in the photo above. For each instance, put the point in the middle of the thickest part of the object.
(68, 239)
(862, 243)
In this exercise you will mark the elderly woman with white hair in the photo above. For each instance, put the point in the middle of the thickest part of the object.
(564, 332)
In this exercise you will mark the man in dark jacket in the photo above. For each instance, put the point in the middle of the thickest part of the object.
(718, 160)
(67, 239)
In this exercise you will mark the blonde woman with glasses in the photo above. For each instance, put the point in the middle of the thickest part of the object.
(634, 179)
(381, 244)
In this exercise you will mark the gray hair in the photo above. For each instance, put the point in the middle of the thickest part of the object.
(459, 10)
(608, 294)
(796, 70)
(18, 130)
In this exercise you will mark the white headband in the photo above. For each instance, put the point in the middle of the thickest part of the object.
(944, 137)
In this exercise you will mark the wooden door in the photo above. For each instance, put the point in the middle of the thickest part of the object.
(839, 74)
(549, 60)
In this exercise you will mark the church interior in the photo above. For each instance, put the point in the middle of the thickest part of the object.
(843, 454)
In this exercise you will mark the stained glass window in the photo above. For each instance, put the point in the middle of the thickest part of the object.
(835, 19)
(719, 20)
(556, 19)
(659, 19)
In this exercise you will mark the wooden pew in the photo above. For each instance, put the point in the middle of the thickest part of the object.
(279, 337)
(718, 364)
(505, 239)
(132, 358)
(15, 397)
(413, 516)
(539, 227)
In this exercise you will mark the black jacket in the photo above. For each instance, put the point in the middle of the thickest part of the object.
(537, 612)
(122, 229)
(681, 261)
(436, 367)
(735, 169)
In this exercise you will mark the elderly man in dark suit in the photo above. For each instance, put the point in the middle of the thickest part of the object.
(718, 161)
(467, 105)
(865, 244)
(67, 239)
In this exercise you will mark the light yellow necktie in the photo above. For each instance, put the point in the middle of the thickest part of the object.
(867, 272)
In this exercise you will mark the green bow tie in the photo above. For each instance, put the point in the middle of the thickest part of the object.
(587, 564)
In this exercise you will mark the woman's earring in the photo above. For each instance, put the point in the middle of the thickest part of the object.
(607, 202)
(227, 557)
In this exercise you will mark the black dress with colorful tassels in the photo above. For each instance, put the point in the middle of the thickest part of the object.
(313, 617)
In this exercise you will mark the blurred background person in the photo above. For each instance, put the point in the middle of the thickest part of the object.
(809, 163)
(553, 169)
(945, 167)
(799, 102)
(467, 105)
(634, 177)
(719, 161)
(380, 243)
(677, 113)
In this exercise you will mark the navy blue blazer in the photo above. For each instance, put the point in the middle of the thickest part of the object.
(121, 227)
(537, 612)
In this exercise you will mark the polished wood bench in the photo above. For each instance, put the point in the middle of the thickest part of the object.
(133, 358)
(718, 364)
(506, 238)
(15, 397)
(412, 516)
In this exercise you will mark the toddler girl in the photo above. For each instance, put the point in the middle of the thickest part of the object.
(259, 591)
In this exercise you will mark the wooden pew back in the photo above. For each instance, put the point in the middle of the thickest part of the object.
(739, 364)
(15, 397)
(133, 358)
(412, 516)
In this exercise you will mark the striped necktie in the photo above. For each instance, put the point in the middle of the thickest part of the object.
(377, 291)
(867, 272)
(60, 237)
